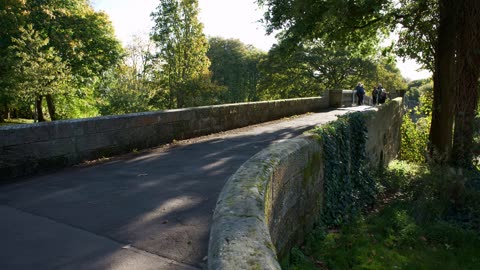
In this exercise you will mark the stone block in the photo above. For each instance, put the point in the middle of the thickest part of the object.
(336, 97)
(110, 123)
(93, 141)
(84, 127)
(241, 244)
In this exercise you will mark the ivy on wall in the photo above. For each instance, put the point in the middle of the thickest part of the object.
(349, 186)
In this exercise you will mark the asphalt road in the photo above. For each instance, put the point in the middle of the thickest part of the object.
(149, 210)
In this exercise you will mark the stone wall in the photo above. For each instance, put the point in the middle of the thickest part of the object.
(346, 98)
(26, 149)
(384, 137)
(273, 200)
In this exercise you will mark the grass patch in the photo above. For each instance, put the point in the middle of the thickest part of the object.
(425, 218)
(16, 121)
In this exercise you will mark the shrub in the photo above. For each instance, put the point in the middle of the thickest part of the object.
(414, 139)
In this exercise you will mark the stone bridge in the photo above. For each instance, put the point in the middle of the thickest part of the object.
(147, 209)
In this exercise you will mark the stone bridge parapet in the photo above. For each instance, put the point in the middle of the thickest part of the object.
(274, 199)
(27, 149)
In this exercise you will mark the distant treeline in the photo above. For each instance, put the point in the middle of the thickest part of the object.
(60, 59)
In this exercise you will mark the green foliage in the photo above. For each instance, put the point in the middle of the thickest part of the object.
(436, 193)
(360, 25)
(444, 195)
(121, 91)
(234, 65)
(414, 138)
(428, 219)
(297, 260)
(16, 121)
(344, 22)
(389, 76)
(182, 48)
(74, 105)
(426, 99)
(438, 34)
(398, 177)
(287, 75)
(37, 69)
(416, 123)
(69, 36)
(412, 95)
(392, 239)
(312, 67)
(349, 187)
(418, 36)
(84, 38)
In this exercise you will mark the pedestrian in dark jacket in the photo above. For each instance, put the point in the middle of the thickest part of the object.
(360, 91)
(382, 94)
(374, 96)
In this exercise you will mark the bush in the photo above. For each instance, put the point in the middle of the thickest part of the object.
(431, 222)
(414, 139)
(436, 193)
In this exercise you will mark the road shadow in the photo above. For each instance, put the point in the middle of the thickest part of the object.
(160, 202)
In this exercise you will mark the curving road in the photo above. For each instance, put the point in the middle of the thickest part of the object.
(148, 210)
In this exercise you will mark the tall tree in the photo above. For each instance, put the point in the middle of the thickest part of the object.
(286, 77)
(347, 21)
(182, 49)
(130, 87)
(234, 65)
(417, 37)
(314, 66)
(10, 21)
(441, 129)
(468, 77)
(81, 37)
(288, 74)
(37, 70)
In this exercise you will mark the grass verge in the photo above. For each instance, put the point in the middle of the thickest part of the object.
(425, 218)
(16, 121)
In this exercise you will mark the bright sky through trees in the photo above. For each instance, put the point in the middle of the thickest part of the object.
(225, 18)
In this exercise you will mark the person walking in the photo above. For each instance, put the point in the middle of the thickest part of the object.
(374, 95)
(382, 94)
(360, 91)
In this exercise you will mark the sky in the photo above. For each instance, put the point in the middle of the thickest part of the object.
(225, 18)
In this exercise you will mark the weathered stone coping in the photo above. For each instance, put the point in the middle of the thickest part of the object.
(243, 222)
(274, 199)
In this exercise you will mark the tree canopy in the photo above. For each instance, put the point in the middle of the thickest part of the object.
(69, 37)
(314, 66)
(433, 32)
(234, 65)
(181, 50)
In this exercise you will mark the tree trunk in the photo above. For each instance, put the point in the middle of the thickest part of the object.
(38, 105)
(51, 107)
(444, 85)
(180, 102)
(468, 73)
(2, 120)
(4, 114)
